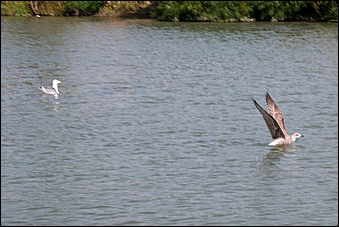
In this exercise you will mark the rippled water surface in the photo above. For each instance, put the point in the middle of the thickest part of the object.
(155, 124)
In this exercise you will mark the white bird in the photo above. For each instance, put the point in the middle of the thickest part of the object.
(52, 90)
(275, 123)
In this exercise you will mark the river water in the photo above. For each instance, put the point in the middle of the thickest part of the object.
(155, 123)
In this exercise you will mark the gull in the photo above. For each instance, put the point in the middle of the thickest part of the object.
(275, 123)
(52, 90)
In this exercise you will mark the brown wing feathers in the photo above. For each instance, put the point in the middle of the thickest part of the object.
(272, 124)
(274, 111)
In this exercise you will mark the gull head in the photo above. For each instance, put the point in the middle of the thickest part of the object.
(296, 135)
(55, 82)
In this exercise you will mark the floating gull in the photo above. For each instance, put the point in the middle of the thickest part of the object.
(275, 123)
(52, 90)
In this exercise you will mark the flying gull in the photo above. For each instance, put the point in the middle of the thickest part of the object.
(275, 123)
(52, 90)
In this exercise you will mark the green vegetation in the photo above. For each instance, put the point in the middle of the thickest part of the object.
(295, 10)
(15, 8)
(82, 7)
(240, 10)
(52, 8)
(71, 8)
(214, 11)
(200, 10)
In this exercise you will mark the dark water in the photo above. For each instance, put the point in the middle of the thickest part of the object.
(155, 124)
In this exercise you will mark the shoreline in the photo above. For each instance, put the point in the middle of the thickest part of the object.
(170, 11)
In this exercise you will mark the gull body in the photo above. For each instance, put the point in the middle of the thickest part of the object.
(54, 90)
(275, 123)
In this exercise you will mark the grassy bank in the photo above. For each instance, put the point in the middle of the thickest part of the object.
(213, 11)
(78, 8)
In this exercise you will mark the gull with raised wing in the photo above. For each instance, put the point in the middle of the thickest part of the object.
(275, 123)
(52, 90)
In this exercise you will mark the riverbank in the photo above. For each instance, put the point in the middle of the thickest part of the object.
(127, 9)
(194, 11)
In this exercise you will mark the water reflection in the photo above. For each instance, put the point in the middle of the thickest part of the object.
(277, 153)
(49, 103)
(290, 148)
(55, 107)
(279, 149)
(273, 156)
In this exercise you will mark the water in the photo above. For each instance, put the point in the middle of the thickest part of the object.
(155, 124)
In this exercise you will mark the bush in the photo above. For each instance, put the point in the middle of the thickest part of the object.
(260, 10)
(82, 8)
(51, 8)
(15, 8)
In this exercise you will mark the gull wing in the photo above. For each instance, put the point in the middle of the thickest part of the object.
(274, 111)
(48, 90)
(271, 123)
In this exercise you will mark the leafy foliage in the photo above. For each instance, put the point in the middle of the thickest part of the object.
(82, 7)
(260, 10)
(15, 8)
(185, 10)
(51, 8)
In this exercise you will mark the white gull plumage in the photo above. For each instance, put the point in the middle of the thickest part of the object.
(52, 90)
(275, 123)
